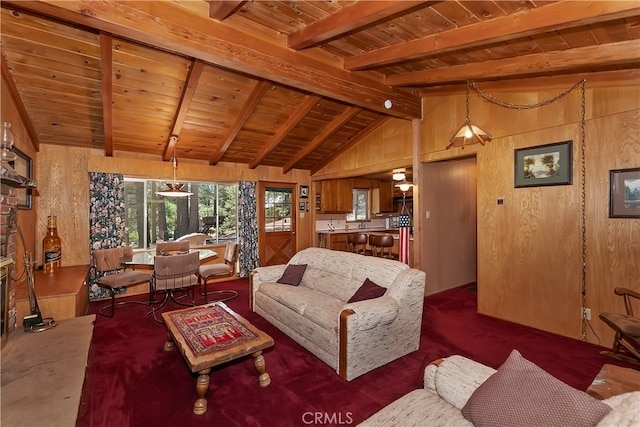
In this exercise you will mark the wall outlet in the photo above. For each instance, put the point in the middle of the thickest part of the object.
(586, 313)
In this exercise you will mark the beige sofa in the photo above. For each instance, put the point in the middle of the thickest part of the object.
(353, 338)
(450, 383)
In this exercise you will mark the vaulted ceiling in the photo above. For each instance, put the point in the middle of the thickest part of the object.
(290, 84)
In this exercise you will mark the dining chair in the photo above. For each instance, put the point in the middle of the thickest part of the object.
(175, 247)
(219, 270)
(113, 276)
(173, 273)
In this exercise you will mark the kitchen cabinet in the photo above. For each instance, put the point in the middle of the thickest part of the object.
(382, 198)
(336, 195)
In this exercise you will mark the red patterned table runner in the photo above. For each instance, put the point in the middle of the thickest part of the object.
(210, 328)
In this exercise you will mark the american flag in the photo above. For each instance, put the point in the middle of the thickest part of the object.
(404, 223)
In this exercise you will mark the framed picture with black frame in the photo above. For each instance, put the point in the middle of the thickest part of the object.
(304, 191)
(23, 165)
(624, 193)
(549, 164)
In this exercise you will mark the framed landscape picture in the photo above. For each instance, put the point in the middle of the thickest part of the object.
(624, 193)
(549, 164)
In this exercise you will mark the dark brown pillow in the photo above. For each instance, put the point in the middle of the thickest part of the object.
(368, 290)
(293, 274)
(522, 394)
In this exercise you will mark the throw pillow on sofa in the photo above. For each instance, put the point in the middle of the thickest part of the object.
(368, 290)
(522, 394)
(293, 274)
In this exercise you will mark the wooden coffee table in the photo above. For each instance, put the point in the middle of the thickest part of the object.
(613, 380)
(209, 335)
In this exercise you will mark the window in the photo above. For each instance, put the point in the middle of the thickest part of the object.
(360, 211)
(150, 218)
(277, 210)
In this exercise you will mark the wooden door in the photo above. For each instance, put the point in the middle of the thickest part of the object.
(277, 222)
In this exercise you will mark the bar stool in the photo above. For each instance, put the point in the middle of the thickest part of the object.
(357, 243)
(381, 245)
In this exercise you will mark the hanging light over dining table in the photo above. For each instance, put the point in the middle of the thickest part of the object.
(175, 188)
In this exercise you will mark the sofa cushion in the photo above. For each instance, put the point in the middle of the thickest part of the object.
(522, 394)
(417, 409)
(368, 290)
(340, 274)
(293, 274)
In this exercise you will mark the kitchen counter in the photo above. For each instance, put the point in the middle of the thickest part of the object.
(359, 230)
(337, 240)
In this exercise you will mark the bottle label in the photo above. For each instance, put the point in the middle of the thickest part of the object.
(52, 255)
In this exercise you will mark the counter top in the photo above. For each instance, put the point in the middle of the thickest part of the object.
(394, 231)
(359, 230)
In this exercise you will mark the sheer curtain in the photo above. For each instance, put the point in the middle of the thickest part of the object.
(106, 220)
(248, 255)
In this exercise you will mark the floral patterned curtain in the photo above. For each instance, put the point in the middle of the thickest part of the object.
(106, 220)
(248, 255)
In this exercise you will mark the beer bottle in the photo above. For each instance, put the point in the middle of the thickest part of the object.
(51, 247)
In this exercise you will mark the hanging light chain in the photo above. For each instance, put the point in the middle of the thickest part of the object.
(468, 110)
(583, 206)
(493, 100)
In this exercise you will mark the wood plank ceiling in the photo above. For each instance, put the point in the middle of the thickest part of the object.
(289, 84)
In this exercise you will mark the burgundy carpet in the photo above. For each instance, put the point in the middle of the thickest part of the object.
(131, 381)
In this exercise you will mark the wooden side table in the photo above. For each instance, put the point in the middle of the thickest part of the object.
(613, 380)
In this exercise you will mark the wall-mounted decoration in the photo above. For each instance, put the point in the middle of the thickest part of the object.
(304, 191)
(624, 193)
(301, 206)
(549, 164)
(23, 165)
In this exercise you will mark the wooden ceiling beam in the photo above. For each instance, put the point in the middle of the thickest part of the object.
(373, 126)
(19, 103)
(286, 128)
(541, 63)
(252, 102)
(217, 43)
(346, 20)
(556, 16)
(329, 130)
(222, 9)
(106, 67)
(187, 96)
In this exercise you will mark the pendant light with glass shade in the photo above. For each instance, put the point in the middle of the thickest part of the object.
(174, 189)
(468, 133)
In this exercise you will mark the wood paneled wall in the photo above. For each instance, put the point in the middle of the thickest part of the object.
(529, 250)
(64, 192)
(386, 148)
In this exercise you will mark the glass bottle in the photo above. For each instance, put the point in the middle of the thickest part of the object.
(7, 155)
(51, 247)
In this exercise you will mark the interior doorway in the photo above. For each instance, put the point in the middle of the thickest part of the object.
(276, 222)
(449, 196)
